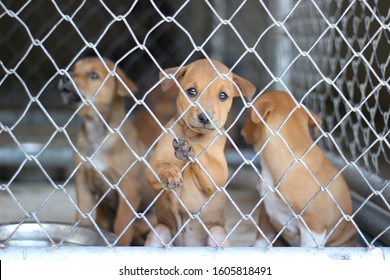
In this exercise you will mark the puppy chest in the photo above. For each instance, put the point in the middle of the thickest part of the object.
(99, 184)
(277, 209)
(99, 162)
(97, 157)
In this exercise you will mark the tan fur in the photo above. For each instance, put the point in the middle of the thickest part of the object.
(198, 140)
(297, 185)
(150, 125)
(108, 152)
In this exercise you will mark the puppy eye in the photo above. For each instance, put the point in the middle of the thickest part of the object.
(192, 92)
(223, 96)
(93, 75)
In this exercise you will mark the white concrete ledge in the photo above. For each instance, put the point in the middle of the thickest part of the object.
(202, 254)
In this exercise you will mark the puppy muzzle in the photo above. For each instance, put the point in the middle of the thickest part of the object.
(68, 92)
(202, 123)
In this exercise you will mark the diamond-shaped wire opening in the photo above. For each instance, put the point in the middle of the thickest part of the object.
(370, 201)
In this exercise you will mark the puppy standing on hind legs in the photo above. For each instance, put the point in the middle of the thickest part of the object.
(298, 183)
(107, 151)
(196, 128)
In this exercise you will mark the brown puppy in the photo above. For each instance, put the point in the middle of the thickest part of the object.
(110, 155)
(191, 159)
(298, 178)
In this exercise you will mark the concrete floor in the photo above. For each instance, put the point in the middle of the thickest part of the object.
(51, 205)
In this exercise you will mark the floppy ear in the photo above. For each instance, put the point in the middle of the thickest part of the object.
(312, 124)
(122, 91)
(166, 83)
(263, 107)
(246, 87)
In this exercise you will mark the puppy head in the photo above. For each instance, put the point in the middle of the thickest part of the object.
(89, 75)
(211, 95)
(274, 108)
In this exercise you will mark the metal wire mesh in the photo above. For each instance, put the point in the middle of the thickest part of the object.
(332, 56)
(353, 76)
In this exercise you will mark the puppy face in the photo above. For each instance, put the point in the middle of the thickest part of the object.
(94, 83)
(210, 94)
(277, 109)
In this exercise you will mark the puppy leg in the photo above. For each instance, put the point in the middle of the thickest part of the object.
(312, 238)
(219, 235)
(216, 169)
(264, 223)
(125, 214)
(103, 218)
(85, 199)
(170, 176)
(163, 232)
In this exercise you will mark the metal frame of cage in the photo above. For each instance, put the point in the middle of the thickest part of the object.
(359, 179)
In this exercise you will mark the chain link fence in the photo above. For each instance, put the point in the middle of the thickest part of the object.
(332, 56)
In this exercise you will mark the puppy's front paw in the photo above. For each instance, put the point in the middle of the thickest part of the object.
(183, 150)
(171, 177)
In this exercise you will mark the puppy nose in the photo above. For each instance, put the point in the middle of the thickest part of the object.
(204, 118)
